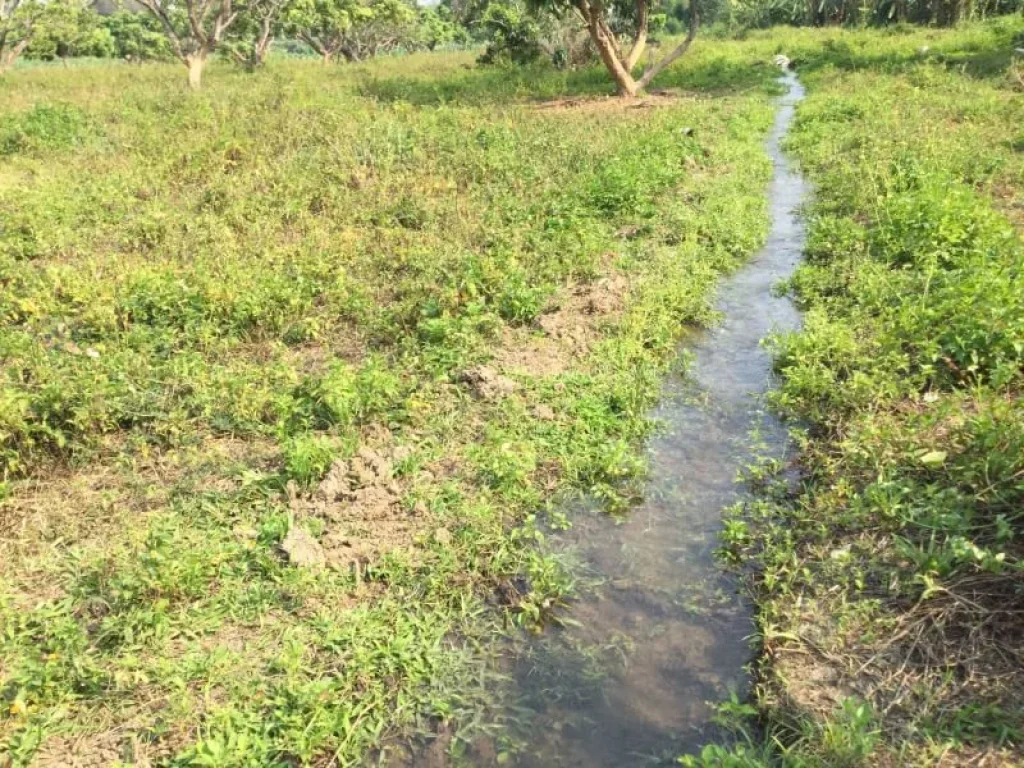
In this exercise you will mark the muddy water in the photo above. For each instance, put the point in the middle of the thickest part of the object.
(663, 632)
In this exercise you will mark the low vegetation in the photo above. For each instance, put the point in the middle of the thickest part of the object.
(292, 367)
(890, 583)
(290, 364)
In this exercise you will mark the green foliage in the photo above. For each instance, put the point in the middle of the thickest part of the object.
(343, 397)
(438, 28)
(354, 29)
(847, 739)
(68, 28)
(45, 127)
(23, 22)
(240, 287)
(907, 379)
(522, 33)
(512, 34)
(307, 457)
(765, 13)
(136, 37)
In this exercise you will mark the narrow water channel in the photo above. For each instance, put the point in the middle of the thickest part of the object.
(627, 681)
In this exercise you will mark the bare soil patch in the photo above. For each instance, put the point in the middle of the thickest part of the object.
(361, 506)
(565, 331)
(954, 650)
(88, 751)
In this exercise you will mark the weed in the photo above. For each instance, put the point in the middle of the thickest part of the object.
(286, 279)
(889, 581)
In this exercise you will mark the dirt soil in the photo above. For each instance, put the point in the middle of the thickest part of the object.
(361, 508)
(565, 331)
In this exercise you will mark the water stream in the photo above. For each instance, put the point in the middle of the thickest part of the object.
(629, 680)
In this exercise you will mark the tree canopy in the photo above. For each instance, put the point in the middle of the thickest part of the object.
(355, 29)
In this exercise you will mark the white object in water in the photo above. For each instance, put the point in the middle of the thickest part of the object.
(782, 62)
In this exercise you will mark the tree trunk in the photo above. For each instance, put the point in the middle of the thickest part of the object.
(195, 63)
(262, 48)
(257, 55)
(8, 57)
(605, 43)
(679, 50)
(640, 41)
(261, 45)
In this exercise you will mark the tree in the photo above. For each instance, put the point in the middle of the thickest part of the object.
(19, 21)
(68, 28)
(549, 29)
(194, 29)
(599, 18)
(257, 26)
(519, 35)
(138, 36)
(437, 26)
(357, 29)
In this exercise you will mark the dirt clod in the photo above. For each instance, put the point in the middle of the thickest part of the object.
(443, 537)
(486, 384)
(544, 412)
(436, 754)
(569, 327)
(360, 505)
(302, 549)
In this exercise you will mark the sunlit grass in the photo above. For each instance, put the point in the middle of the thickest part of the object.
(209, 298)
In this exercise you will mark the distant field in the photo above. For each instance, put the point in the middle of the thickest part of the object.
(453, 285)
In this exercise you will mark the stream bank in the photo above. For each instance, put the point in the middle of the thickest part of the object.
(630, 675)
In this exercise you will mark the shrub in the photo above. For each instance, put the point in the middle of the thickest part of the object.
(44, 127)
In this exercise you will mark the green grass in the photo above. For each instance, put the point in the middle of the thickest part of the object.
(889, 583)
(208, 299)
(237, 289)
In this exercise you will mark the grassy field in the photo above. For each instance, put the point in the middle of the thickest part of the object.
(290, 366)
(890, 582)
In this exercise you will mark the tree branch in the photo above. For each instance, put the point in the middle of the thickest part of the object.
(313, 43)
(154, 7)
(640, 41)
(195, 21)
(680, 49)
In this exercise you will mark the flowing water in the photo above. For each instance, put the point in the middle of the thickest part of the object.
(629, 678)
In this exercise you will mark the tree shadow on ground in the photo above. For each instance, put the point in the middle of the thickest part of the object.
(488, 85)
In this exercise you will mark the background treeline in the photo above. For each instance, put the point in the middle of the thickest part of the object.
(137, 35)
(943, 13)
(510, 28)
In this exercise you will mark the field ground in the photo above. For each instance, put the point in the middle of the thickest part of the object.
(292, 364)
(374, 318)
(889, 583)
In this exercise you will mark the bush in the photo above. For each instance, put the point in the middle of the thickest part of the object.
(44, 127)
(516, 35)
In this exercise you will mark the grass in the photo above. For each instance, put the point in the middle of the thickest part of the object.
(405, 307)
(889, 582)
(401, 308)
